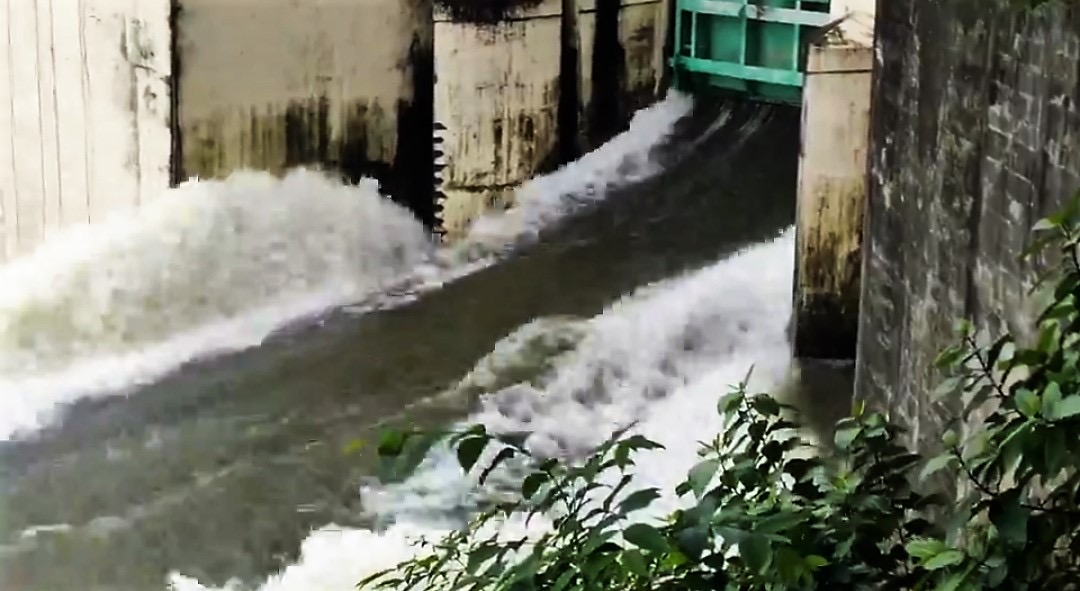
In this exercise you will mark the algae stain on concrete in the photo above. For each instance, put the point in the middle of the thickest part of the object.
(358, 140)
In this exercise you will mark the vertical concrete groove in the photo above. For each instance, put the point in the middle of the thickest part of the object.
(41, 112)
(176, 156)
(608, 62)
(569, 83)
(88, 120)
(133, 100)
(11, 136)
(56, 113)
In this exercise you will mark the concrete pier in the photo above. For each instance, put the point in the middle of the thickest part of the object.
(520, 93)
(832, 186)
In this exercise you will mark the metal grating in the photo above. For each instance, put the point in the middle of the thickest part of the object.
(752, 46)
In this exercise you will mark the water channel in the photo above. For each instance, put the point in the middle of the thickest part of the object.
(642, 280)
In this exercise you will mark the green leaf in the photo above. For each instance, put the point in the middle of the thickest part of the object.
(845, 437)
(1055, 450)
(622, 456)
(1027, 402)
(732, 535)
(694, 541)
(945, 559)
(815, 562)
(1010, 518)
(646, 537)
(952, 583)
(482, 554)
(1046, 224)
(1068, 407)
(532, 483)
(416, 448)
(756, 551)
(948, 387)
(564, 579)
(924, 548)
(469, 450)
(391, 442)
(1051, 398)
(766, 405)
(638, 500)
(640, 442)
(937, 464)
(858, 408)
(701, 475)
(950, 438)
(789, 564)
(634, 562)
(962, 326)
(730, 402)
(779, 522)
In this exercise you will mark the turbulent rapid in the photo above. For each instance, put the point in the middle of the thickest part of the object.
(217, 265)
(179, 380)
(658, 359)
(210, 266)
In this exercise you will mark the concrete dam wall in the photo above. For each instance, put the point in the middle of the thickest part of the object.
(109, 102)
(276, 84)
(85, 107)
(975, 135)
(523, 87)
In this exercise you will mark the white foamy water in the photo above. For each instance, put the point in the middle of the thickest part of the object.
(216, 266)
(209, 266)
(626, 159)
(659, 359)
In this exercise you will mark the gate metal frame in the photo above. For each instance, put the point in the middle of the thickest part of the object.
(756, 47)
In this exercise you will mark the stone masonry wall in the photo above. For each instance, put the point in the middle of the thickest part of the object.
(975, 135)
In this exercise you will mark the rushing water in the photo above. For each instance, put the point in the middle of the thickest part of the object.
(133, 453)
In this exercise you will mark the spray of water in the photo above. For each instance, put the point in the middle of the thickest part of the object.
(210, 265)
(626, 159)
(213, 266)
(658, 359)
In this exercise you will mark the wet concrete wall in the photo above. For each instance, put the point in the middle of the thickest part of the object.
(497, 93)
(831, 197)
(522, 87)
(85, 111)
(975, 135)
(144, 93)
(622, 57)
(276, 84)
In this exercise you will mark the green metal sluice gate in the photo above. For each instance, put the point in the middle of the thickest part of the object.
(754, 47)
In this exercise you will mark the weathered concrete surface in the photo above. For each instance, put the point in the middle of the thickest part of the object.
(497, 93)
(831, 198)
(84, 108)
(975, 136)
(622, 62)
(485, 11)
(858, 19)
(523, 93)
(276, 84)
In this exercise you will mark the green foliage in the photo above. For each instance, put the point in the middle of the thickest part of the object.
(764, 509)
